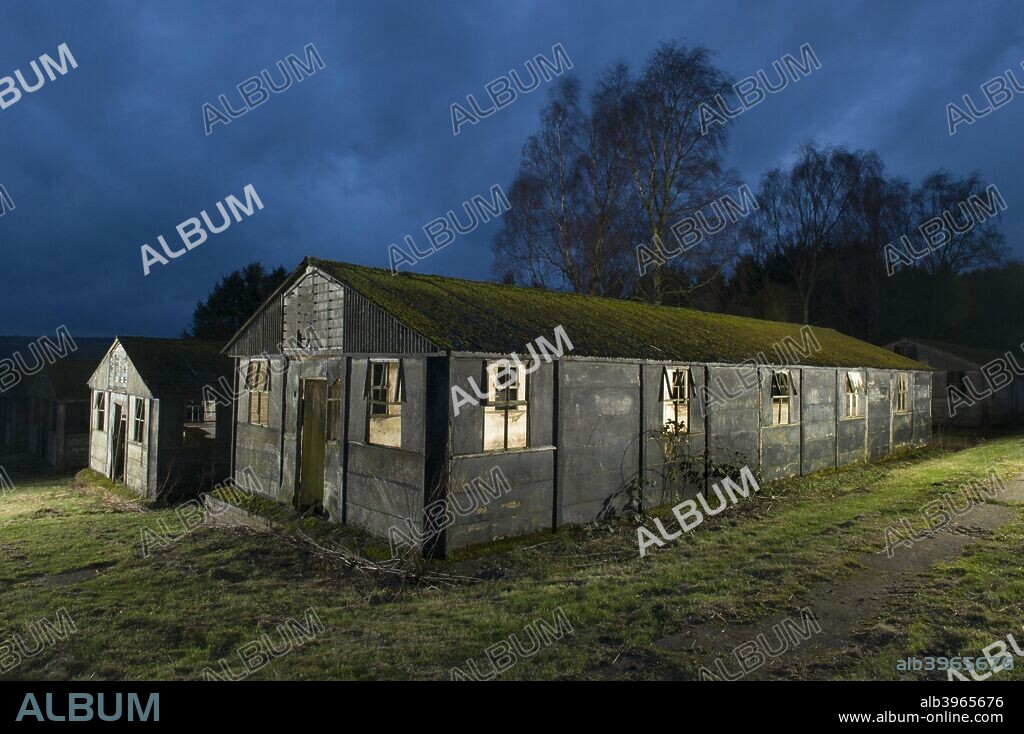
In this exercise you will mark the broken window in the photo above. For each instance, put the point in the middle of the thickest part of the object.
(385, 393)
(139, 421)
(782, 397)
(200, 422)
(675, 398)
(854, 389)
(257, 382)
(334, 411)
(100, 404)
(902, 388)
(505, 413)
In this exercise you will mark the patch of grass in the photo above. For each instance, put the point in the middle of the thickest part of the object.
(959, 609)
(91, 478)
(313, 527)
(211, 590)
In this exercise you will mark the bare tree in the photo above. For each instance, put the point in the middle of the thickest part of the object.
(805, 214)
(955, 202)
(594, 183)
(675, 161)
(856, 297)
(541, 236)
(610, 216)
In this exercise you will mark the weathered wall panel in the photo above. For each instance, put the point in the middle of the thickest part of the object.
(818, 417)
(384, 488)
(852, 440)
(258, 449)
(879, 392)
(263, 335)
(902, 430)
(780, 451)
(734, 415)
(595, 462)
(482, 510)
(922, 386)
(541, 389)
(467, 425)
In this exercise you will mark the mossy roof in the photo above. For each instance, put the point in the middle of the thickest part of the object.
(471, 316)
(176, 366)
(69, 378)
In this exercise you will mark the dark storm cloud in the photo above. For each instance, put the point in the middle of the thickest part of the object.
(361, 154)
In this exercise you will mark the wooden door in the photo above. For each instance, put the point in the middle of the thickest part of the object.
(314, 442)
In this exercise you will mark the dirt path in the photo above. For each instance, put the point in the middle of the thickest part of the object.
(839, 607)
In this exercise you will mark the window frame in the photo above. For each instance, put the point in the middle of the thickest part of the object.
(671, 400)
(100, 411)
(138, 420)
(781, 400)
(901, 399)
(495, 404)
(257, 385)
(386, 395)
(205, 412)
(855, 392)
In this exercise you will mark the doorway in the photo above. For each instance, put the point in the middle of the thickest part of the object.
(119, 451)
(313, 444)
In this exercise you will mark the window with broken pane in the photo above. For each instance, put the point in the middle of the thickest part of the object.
(853, 394)
(782, 397)
(100, 422)
(675, 398)
(385, 394)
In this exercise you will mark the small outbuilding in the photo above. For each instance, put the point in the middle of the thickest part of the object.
(34, 419)
(59, 432)
(156, 423)
(971, 386)
(405, 402)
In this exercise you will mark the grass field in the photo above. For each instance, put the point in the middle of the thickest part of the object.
(73, 545)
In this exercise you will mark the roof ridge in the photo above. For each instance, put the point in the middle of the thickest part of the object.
(465, 315)
(170, 339)
(566, 294)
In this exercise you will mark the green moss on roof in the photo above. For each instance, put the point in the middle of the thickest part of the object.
(176, 366)
(470, 316)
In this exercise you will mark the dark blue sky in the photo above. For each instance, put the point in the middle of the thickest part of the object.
(113, 154)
